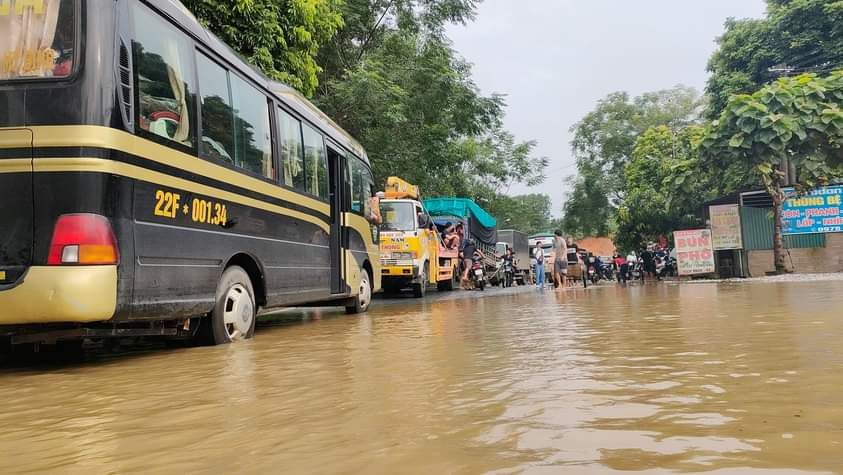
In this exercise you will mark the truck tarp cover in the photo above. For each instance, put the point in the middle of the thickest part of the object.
(481, 225)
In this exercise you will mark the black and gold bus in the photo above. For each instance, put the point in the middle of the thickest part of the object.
(153, 183)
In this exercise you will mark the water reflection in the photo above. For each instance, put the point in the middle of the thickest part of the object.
(732, 378)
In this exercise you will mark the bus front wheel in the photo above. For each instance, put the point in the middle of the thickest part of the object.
(234, 314)
(364, 295)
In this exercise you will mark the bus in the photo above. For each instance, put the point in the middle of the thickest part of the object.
(155, 184)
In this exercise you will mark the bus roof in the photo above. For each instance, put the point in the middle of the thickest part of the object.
(180, 15)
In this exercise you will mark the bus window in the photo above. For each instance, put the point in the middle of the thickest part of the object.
(217, 114)
(362, 188)
(316, 159)
(292, 155)
(252, 136)
(39, 39)
(165, 75)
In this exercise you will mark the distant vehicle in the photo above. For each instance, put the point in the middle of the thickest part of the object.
(520, 244)
(577, 269)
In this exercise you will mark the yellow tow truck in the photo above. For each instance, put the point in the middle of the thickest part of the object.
(413, 254)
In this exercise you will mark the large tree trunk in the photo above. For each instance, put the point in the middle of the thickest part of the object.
(778, 240)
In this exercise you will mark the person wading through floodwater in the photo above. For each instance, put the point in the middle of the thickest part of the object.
(468, 254)
(560, 261)
(538, 253)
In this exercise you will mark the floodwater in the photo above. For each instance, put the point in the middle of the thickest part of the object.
(730, 378)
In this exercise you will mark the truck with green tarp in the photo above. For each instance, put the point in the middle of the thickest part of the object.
(479, 224)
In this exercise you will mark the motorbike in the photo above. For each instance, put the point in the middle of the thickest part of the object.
(636, 270)
(607, 271)
(508, 273)
(665, 266)
(478, 275)
(593, 273)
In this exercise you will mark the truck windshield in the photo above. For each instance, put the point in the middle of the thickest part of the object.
(398, 217)
(38, 38)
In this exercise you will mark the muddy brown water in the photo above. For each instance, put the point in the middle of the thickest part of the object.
(730, 378)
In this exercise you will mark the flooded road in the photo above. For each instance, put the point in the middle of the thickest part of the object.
(732, 378)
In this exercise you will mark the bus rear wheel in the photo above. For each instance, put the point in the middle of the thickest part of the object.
(234, 315)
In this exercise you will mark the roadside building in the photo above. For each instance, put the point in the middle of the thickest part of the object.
(747, 245)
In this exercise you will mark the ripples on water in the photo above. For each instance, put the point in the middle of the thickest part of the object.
(663, 378)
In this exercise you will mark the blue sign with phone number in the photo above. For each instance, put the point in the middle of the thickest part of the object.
(818, 211)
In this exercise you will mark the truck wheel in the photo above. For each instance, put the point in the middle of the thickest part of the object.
(234, 314)
(452, 284)
(364, 295)
(421, 288)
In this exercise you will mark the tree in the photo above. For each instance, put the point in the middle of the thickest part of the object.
(413, 105)
(603, 144)
(666, 182)
(587, 211)
(794, 121)
(368, 24)
(526, 213)
(281, 37)
(795, 36)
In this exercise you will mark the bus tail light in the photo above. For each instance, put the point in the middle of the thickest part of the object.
(83, 239)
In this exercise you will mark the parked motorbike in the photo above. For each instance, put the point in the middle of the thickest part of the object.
(607, 271)
(637, 270)
(665, 266)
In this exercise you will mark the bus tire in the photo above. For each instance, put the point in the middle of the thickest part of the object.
(421, 288)
(234, 314)
(363, 299)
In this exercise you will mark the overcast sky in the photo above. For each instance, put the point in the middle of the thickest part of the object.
(554, 59)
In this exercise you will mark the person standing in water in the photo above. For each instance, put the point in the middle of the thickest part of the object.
(560, 260)
(538, 253)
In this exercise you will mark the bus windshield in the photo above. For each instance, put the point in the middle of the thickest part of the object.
(398, 217)
(38, 38)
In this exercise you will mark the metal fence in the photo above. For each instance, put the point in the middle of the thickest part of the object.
(757, 226)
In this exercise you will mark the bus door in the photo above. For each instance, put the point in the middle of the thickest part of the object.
(336, 170)
(17, 210)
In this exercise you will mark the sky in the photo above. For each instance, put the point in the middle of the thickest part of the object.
(554, 59)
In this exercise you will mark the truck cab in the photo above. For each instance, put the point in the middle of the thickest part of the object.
(412, 253)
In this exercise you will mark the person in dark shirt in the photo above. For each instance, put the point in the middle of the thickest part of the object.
(648, 257)
(467, 254)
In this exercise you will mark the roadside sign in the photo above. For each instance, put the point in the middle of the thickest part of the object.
(694, 251)
(726, 227)
(818, 211)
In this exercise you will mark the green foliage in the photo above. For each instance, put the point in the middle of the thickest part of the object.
(527, 213)
(587, 211)
(369, 23)
(414, 106)
(666, 182)
(603, 144)
(281, 37)
(796, 34)
(797, 119)
(792, 122)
